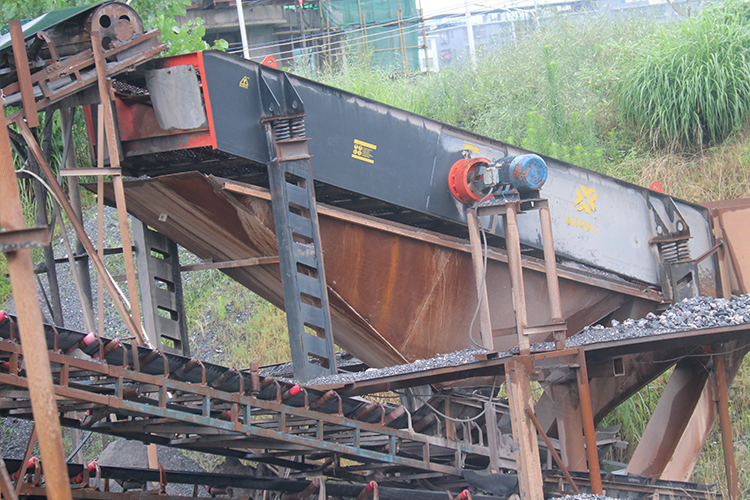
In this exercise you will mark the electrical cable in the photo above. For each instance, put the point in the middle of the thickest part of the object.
(360, 27)
(365, 40)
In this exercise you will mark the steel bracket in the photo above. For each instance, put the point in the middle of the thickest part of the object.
(20, 239)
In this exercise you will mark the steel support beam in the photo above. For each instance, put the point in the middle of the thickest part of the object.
(569, 428)
(589, 430)
(33, 340)
(524, 434)
(726, 428)
(670, 419)
(480, 277)
(114, 160)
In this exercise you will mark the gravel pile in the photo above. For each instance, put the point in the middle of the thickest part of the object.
(344, 360)
(441, 361)
(689, 314)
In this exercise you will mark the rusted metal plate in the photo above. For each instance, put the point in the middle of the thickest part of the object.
(733, 216)
(670, 418)
(395, 295)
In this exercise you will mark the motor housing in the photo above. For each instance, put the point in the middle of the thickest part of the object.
(472, 179)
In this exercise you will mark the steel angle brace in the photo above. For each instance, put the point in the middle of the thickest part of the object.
(19, 239)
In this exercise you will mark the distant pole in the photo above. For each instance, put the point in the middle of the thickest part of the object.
(243, 29)
(424, 40)
(470, 33)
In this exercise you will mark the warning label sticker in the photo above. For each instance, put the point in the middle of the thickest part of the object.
(363, 151)
(245, 82)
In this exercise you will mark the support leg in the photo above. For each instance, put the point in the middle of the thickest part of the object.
(726, 429)
(589, 430)
(513, 245)
(477, 259)
(524, 434)
(33, 342)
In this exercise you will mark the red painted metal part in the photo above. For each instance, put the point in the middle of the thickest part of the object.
(458, 179)
(196, 59)
(270, 61)
(139, 129)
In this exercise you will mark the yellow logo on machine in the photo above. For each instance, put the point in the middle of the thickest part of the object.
(468, 149)
(586, 200)
(245, 82)
(363, 151)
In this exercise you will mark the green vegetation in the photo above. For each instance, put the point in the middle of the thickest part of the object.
(155, 14)
(236, 323)
(688, 85)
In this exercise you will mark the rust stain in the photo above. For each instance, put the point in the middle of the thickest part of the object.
(400, 296)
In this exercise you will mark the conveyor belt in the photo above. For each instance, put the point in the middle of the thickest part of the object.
(172, 400)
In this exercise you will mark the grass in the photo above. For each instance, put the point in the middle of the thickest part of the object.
(688, 85)
(721, 172)
(240, 326)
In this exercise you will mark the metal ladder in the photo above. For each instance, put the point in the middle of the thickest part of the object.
(297, 233)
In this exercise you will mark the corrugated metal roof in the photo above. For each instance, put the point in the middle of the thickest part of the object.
(43, 22)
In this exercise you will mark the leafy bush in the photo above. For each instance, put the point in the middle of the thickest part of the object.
(689, 85)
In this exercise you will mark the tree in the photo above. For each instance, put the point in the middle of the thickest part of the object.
(159, 14)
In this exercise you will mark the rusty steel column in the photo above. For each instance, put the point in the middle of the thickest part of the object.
(24, 73)
(669, 420)
(525, 443)
(589, 430)
(727, 442)
(513, 245)
(550, 267)
(33, 341)
(105, 90)
(480, 273)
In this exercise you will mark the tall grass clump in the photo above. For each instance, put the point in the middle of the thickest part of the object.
(689, 85)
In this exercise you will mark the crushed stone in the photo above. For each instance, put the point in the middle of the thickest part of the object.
(688, 314)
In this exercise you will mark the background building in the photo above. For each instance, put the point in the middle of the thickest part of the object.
(394, 35)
